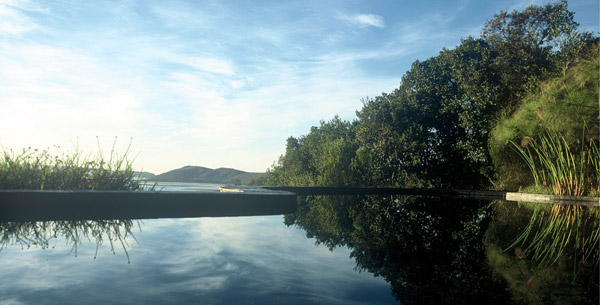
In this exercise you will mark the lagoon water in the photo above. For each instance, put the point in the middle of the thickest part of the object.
(183, 186)
(331, 250)
(229, 260)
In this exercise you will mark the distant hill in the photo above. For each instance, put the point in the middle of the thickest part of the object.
(205, 175)
(144, 175)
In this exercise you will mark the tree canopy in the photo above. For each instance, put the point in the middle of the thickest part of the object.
(434, 129)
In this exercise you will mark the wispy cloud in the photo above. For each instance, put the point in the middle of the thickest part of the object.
(369, 20)
(213, 84)
(213, 65)
(364, 20)
(13, 18)
(221, 106)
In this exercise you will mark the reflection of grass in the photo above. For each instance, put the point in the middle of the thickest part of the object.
(39, 234)
(35, 169)
(552, 231)
(570, 279)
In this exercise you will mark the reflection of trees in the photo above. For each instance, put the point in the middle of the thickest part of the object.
(429, 250)
(42, 233)
(546, 257)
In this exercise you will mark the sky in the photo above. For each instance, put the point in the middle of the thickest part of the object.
(212, 83)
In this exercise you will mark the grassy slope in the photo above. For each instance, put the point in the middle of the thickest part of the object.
(565, 104)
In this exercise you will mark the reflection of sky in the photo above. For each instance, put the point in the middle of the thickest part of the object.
(250, 260)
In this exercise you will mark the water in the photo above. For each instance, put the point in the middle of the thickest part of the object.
(211, 260)
(184, 186)
(332, 250)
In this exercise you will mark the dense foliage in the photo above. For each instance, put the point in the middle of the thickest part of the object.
(434, 129)
(565, 107)
(481, 115)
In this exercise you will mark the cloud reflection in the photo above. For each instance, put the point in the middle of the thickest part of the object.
(250, 260)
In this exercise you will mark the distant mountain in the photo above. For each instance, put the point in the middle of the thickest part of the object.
(207, 175)
(144, 175)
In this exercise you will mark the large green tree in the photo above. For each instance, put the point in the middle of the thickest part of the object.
(532, 45)
(433, 130)
(324, 157)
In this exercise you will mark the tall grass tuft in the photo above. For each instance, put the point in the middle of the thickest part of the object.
(41, 170)
(553, 163)
(560, 228)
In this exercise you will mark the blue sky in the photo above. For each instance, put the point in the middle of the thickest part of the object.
(212, 83)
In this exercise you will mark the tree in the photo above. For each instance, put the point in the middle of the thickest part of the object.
(321, 158)
(532, 45)
(433, 128)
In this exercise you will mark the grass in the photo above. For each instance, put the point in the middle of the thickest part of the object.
(566, 104)
(553, 163)
(34, 169)
(41, 170)
(557, 229)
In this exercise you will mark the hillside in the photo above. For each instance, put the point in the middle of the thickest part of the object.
(207, 175)
(144, 175)
(565, 105)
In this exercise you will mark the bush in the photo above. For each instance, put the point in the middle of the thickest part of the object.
(34, 169)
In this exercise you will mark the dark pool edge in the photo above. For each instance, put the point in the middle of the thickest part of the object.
(36, 205)
(466, 194)
(88, 205)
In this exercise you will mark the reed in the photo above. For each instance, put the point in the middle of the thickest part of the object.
(554, 164)
(40, 169)
(559, 228)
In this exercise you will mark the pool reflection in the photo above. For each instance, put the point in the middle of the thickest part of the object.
(429, 250)
(245, 260)
(43, 234)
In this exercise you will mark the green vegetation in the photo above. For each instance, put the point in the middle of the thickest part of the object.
(324, 157)
(451, 120)
(564, 110)
(516, 108)
(33, 169)
(555, 165)
(554, 134)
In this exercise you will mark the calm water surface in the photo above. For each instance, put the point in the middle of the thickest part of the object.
(332, 250)
(243, 260)
(184, 186)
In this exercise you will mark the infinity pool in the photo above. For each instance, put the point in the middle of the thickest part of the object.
(331, 250)
(250, 260)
